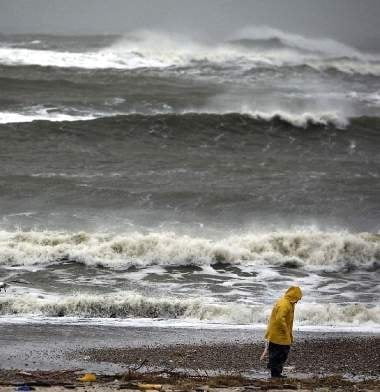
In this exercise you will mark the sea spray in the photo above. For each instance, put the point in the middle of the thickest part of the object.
(218, 174)
(132, 305)
(143, 49)
(307, 248)
(298, 119)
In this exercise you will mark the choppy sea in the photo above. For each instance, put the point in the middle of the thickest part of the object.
(152, 178)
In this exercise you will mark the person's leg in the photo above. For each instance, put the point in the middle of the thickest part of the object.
(277, 356)
(274, 351)
(282, 357)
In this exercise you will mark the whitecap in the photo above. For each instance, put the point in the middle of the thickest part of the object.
(129, 305)
(306, 247)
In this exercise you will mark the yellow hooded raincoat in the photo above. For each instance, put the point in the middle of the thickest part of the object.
(280, 326)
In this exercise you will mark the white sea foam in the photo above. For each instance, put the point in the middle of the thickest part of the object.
(54, 114)
(304, 118)
(175, 323)
(315, 109)
(159, 50)
(131, 305)
(372, 99)
(42, 114)
(75, 175)
(308, 247)
(321, 45)
(301, 119)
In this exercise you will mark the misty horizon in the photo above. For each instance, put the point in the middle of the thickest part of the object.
(350, 22)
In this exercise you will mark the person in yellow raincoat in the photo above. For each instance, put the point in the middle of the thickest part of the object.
(279, 334)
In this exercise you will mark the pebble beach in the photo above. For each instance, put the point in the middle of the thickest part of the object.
(43, 358)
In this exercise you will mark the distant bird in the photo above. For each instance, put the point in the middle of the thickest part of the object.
(4, 286)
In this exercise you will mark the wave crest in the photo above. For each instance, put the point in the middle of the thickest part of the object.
(326, 46)
(309, 248)
(130, 305)
(302, 120)
(299, 120)
(251, 47)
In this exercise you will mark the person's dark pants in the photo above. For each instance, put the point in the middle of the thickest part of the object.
(278, 354)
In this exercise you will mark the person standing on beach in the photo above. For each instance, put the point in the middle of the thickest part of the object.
(279, 334)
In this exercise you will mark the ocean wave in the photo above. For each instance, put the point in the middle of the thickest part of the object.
(318, 45)
(347, 66)
(307, 248)
(148, 49)
(300, 120)
(132, 305)
(303, 119)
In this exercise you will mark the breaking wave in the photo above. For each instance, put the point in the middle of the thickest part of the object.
(280, 38)
(249, 48)
(131, 305)
(303, 119)
(299, 120)
(307, 248)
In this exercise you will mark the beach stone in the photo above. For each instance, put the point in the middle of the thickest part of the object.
(286, 390)
(228, 389)
(129, 385)
(271, 387)
(202, 388)
(290, 386)
(299, 390)
(279, 389)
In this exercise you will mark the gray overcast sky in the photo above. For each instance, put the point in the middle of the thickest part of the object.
(351, 21)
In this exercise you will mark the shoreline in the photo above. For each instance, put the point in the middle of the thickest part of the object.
(32, 353)
(178, 324)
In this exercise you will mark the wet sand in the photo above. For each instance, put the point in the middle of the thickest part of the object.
(344, 359)
(345, 356)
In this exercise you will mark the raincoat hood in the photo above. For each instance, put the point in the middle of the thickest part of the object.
(293, 294)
